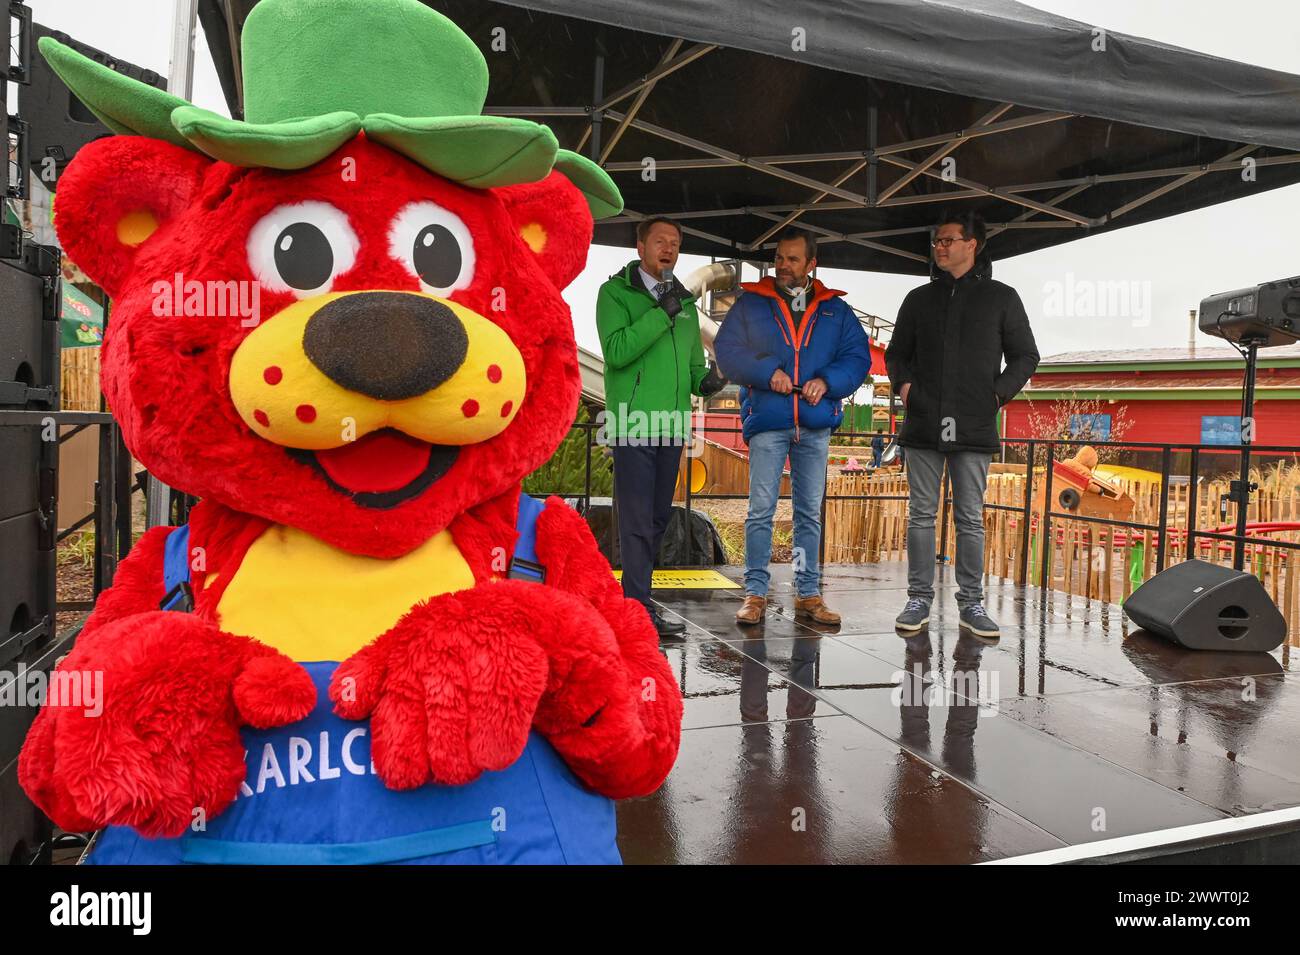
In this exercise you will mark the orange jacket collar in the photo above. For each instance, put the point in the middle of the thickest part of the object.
(767, 286)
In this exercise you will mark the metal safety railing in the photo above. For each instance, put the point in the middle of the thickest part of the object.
(1035, 450)
(115, 486)
(111, 513)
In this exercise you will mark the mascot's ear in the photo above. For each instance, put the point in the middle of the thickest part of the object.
(116, 193)
(553, 220)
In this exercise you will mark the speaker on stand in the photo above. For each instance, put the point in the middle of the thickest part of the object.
(1265, 316)
(1203, 606)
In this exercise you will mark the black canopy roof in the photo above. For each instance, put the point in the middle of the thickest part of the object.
(861, 119)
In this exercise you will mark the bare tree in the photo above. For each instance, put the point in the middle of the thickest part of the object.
(1076, 418)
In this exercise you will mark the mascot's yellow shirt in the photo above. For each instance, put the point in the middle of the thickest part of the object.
(313, 601)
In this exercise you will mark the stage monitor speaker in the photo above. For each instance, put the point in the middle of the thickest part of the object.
(30, 302)
(22, 466)
(24, 830)
(58, 124)
(27, 591)
(1204, 606)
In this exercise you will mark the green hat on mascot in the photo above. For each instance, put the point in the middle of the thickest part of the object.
(316, 72)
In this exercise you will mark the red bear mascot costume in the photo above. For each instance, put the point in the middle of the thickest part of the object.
(339, 323)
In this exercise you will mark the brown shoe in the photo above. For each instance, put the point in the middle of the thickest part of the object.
(815, 609)
(752, 610)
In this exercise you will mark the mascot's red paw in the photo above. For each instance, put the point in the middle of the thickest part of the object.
(152, 739)
(585, 672)
(630, 747)
(272, 690)
(454, 688)
(450, 691)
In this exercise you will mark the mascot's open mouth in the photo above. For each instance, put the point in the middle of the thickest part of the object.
(382, 469)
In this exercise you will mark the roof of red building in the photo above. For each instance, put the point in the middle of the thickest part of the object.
(1135, 356)
(1154, 384)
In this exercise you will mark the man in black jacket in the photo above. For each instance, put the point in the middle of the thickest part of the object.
(945, 362)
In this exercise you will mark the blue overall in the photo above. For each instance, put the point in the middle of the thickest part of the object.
(312, 797)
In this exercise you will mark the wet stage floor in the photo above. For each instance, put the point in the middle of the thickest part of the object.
(856, 745)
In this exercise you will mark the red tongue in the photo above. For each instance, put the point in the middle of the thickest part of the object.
(381, 461)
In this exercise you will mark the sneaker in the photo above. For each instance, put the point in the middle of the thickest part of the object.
(977, 620)
(914, 616)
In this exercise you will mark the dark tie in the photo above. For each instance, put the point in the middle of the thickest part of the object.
(662, 289)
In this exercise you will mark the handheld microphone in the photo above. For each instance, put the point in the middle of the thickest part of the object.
(669, 302)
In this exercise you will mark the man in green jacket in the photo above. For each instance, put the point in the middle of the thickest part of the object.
(654, 361)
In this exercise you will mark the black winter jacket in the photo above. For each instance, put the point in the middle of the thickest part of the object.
(949, 343)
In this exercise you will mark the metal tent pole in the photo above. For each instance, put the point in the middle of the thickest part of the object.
(180, 74)
(180, 82)
(1242, 487)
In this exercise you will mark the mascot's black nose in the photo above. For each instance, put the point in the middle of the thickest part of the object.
(387, 345)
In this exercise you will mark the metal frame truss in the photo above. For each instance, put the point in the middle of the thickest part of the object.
(832, 194)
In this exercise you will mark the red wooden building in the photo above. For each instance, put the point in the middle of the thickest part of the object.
(1189, 395)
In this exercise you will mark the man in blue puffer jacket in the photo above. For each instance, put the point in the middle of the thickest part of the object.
(797, 351)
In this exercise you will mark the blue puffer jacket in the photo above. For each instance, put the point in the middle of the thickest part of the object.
(758, 336)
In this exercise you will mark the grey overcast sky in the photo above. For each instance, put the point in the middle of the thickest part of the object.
(1179, 260)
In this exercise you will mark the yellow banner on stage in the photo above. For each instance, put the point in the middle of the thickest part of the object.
(688, 580)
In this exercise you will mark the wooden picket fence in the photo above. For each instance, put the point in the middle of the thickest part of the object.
(79, 374)
(1093, 560)
(865, 532)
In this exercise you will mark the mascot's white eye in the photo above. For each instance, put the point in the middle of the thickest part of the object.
(434, 245)
(301, 248)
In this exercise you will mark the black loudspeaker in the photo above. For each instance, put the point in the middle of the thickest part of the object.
(24, 831)
(30, 292)
(1207, 607)
(21, 464)
(27, 586)
(58, 124)
(31, 297)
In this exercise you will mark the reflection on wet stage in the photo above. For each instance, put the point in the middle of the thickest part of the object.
(857, 745)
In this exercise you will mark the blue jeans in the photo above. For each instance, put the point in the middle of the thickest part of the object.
(767, 453)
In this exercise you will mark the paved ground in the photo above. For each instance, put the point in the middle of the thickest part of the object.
(860, 746)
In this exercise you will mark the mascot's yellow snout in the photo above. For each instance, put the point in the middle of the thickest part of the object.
(333, 368)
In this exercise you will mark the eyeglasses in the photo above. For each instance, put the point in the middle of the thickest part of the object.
(946, 241)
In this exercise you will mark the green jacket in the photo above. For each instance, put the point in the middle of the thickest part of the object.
(652, 366)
